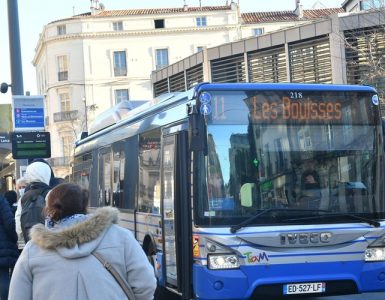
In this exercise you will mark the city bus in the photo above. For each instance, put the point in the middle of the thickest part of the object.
(247, 190)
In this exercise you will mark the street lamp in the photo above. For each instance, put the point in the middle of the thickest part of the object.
(4, 87)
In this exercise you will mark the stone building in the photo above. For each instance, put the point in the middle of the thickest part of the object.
(87, 63)
(345, 48)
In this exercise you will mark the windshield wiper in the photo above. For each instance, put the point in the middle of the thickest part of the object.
(235, 228)
(330, 215)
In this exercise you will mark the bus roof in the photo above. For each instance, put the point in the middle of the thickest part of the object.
(283, 86)
(167, 99)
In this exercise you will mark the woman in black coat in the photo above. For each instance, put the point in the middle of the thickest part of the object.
(8, 246)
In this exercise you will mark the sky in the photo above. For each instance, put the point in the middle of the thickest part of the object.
(34, 14)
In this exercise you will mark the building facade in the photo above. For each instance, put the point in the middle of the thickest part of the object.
(345, 49)
(87, 63)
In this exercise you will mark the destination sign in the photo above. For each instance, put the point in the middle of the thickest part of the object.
(294, 109)
(287, 107)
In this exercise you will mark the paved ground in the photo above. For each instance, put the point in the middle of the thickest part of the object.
(367, 296)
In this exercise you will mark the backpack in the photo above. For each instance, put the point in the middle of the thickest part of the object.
(32, 211)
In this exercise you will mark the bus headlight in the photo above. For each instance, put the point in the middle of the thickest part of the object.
(222, 261)
(375, 254)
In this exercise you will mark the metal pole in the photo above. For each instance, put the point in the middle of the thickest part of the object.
(16, 65)
(14, 48)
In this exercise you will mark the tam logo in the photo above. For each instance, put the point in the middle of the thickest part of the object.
(256, 258)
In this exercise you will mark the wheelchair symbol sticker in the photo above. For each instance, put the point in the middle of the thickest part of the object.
(205, 98)
(205, 109)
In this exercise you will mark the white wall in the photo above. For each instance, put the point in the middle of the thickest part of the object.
(89, 44)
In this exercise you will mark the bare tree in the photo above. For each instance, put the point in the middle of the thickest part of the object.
(365, 49)
(80, 123)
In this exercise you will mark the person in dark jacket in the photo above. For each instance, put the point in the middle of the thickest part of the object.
(38, 175)
(11, 197)
(54, 181)
(8, 246)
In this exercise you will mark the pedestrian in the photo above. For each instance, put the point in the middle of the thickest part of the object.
(38, 175)
(11, 197)
(21, 184)
(54, 181)
(8, 247)
(58, 262)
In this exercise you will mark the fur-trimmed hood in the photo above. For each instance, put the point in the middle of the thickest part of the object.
(79, 239)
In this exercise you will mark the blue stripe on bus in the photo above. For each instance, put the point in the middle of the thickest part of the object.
(314, 254)
(200, 258)
(283, 87)
(254, 245)
(299, 254)
(282, 230)
(140, 223)
(149, 214)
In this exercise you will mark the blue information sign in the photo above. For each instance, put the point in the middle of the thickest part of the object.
(28, 113)
(29, 117)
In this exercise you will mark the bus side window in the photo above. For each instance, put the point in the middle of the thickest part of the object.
(105, 179)
(119, 162)
(149, 171)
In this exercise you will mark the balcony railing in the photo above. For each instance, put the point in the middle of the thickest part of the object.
(65, 116)
(120, 71)
(62, 76)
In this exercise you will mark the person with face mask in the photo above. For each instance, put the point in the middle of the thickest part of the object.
(21, 184)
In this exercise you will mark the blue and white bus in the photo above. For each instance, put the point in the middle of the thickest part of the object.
(248, 191)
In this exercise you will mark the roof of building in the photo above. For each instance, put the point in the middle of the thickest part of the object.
(157, 11)
(144, 12)
(248, 18)
(283, 16)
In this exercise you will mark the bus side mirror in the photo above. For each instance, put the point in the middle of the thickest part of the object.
(247, 194)
(197, 131)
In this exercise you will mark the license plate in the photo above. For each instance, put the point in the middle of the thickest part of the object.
(304, 288)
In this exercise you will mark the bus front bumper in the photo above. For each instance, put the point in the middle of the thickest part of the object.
(248, 282)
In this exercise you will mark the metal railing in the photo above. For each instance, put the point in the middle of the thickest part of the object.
(62, 76)
(65, 116)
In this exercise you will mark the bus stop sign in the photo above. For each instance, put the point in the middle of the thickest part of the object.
(29, 145)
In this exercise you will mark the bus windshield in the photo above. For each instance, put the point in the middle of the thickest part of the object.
(304, 151)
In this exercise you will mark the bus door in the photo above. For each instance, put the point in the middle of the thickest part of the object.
(176, 213)
(105, 177)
